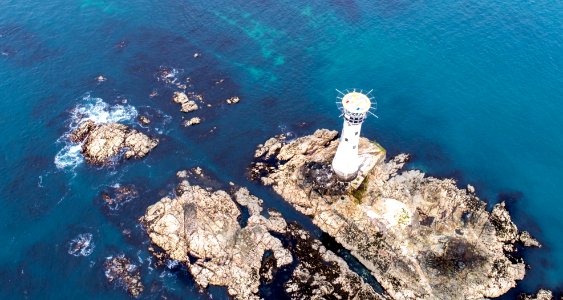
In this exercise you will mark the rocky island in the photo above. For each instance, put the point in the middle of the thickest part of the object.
(103, 142)
(421, 237)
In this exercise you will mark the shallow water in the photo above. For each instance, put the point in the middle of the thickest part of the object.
(472, 89)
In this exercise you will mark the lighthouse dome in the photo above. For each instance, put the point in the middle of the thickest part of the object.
(356, 102)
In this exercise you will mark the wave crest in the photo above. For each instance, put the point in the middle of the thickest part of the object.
(81, 245)
(96, 110)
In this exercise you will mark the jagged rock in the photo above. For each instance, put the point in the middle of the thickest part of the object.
(270, 147)
(233, 100)
(203, 225)
(500, 218)
(192, 121)
(244, 198)
(527, 240)
(187, 104)
(101, 79)
(321, 274)
(143, 120)
(276, 222)
(421, 237)
(116, 196)
(81, 245)
(120, 270)
(102, 142)
(79, 134)
(138, 144)
(541, 295)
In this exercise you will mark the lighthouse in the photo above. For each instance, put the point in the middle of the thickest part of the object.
(354, 106)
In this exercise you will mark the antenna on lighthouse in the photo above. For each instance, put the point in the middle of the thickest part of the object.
(354, 107)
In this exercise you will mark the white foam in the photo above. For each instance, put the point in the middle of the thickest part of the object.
(172, 263)
(289, 135)
(69, 157)
(81, 245)
(96, 110)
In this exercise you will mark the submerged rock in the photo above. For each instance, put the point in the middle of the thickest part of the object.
(143, 120)
(200, 229)
(421, 237)
(119, 270)
(81, 245)
(118, 195)
(102, 142)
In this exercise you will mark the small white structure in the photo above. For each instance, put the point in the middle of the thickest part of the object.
(354, 106)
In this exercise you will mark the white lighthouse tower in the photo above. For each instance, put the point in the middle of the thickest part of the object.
(354, 106)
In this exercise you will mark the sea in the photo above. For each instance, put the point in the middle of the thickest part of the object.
(473, 90)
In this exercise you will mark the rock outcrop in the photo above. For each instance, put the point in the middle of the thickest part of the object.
(321, 274)
(119, 270)
(527, 240)
(117, 195)
(421, 237)
(186, 104)
(541, 295)
(103, 142)
(233, 100)
(144, 120)
(199, 228)
(192, 121)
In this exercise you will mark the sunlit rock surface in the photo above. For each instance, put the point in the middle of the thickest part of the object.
(421, 237)
(103, 142)
(120, 271)
(199, 228)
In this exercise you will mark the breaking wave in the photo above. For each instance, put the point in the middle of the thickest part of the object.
(81, 245)
(96, 110)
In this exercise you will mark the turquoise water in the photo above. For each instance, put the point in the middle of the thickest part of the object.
(474, 90)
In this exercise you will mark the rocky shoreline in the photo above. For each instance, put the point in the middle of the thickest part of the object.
(421, 237)
(201, 228)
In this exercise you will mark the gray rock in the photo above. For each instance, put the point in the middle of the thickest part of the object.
(187, 105)
(192, 121)
(528, 241)
(119, 270)
(203, 225)
(321, 274)
(233, 100)
(102, 142)
(421, 237)
(541, 295)
(143, 120)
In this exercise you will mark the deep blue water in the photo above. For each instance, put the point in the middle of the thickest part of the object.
(473, 89)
